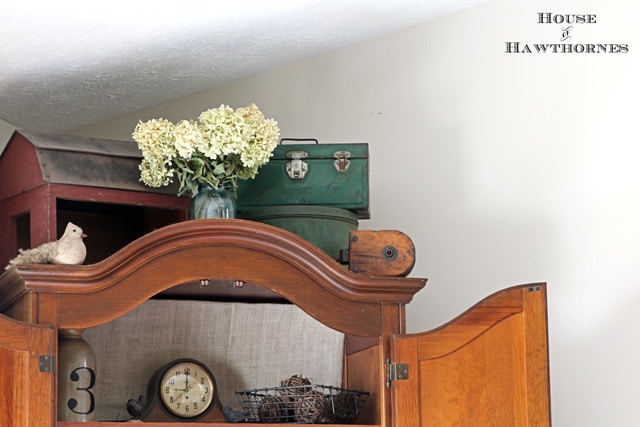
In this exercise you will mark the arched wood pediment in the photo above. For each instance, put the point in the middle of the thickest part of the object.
(214, 250)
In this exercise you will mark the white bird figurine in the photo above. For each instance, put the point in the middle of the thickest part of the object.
(70, 249)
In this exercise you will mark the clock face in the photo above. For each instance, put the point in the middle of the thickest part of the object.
(187, 388)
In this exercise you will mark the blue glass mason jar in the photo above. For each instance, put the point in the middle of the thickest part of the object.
(212, 202)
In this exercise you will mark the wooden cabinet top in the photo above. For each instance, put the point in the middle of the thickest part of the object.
(210, 253)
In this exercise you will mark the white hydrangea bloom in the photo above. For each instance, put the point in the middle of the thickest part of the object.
(222, 146)
(188, 136)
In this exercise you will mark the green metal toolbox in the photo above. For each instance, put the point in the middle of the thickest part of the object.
(326, 227)
(333, 175)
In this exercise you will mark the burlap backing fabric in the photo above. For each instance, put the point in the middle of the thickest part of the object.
(245, 345)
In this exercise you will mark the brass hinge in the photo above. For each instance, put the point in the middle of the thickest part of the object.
(47, 363)
(396, 371)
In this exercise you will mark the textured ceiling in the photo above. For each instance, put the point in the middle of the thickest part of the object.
(67, 64)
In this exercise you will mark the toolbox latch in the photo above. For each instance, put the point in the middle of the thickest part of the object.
(342, 160)
(296, 167)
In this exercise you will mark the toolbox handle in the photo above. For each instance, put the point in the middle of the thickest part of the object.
(299, 140)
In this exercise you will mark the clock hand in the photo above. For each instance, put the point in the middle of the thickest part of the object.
(179, 395)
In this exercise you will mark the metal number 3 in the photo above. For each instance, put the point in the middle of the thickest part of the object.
(75, 377)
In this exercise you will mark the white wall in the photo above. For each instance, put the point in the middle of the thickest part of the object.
(503, 169)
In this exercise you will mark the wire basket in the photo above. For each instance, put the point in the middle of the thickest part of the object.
(310, 403)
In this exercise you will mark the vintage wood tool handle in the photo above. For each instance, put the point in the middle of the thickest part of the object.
(388, 253)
